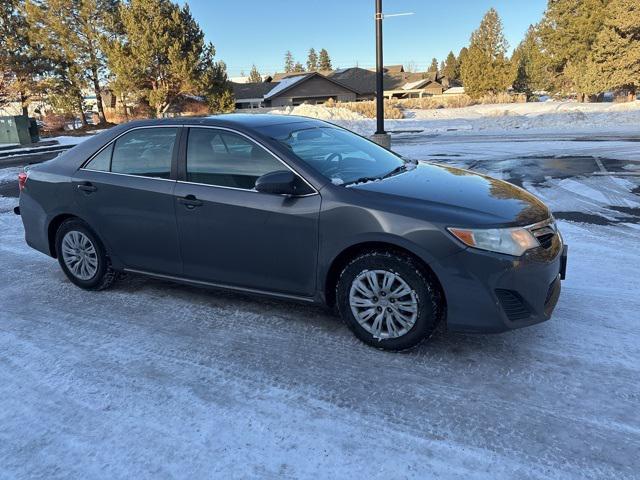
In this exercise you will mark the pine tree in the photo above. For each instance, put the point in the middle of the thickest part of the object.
(254, 75)
(614, 61)
(22, 63)
(288, 62)
(77, 44)
(531, 64)
(324, 61)
(49, 29)
(568, 30)
(434, 65)
(298, 67)
(168, 60)
(312, 60)
(450, 66)
(213, 82)
(462, 55)
(485, 68)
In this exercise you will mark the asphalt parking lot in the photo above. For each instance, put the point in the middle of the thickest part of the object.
(158, 380)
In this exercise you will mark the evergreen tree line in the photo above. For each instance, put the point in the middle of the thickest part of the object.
(145, 51)
(315, 62)
(582, 47)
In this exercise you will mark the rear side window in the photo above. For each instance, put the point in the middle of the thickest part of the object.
(146, 152)
(221, 158)
(102, 161)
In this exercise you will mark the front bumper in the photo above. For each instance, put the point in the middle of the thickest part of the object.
(488, 292)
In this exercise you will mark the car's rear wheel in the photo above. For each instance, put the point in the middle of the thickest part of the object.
(388, 300)
(82, 256)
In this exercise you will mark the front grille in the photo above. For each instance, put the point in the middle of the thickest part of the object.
(513, 305)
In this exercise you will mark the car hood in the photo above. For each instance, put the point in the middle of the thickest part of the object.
(461, 196)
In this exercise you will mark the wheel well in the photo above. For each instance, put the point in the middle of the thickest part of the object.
(348, 254)
(53, 228)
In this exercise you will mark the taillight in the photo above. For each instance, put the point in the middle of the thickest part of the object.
(22, 180)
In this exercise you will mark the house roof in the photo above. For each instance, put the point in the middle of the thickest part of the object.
(285, 84)
(394, 68)
(417, 84)
(358, 79)
(252, 90)
(276, 77)
(269, 90)
(291, 81)
(364, 81)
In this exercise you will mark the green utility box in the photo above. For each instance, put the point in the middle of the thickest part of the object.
(19, 129)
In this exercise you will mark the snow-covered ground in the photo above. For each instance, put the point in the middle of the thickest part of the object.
(157, 380)
(540, 118)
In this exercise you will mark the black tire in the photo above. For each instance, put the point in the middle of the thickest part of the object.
(104, 276)
(421, 282)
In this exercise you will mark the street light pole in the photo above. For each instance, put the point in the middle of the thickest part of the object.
(380, 137)
(379, 71)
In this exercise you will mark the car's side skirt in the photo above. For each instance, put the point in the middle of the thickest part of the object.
(222, 286)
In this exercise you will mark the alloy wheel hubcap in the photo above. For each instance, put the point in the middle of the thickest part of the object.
(79, 255)
(383, 303)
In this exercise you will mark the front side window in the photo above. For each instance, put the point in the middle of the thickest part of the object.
(226, 159)
(339, 155)
(146, 152)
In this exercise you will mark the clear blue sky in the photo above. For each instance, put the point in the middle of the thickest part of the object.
(245, 32)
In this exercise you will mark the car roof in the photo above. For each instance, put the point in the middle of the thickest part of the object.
(246, 120)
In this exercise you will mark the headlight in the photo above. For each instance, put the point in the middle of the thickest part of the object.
(512, 241)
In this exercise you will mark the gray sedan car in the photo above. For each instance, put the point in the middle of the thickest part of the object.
(298, 209)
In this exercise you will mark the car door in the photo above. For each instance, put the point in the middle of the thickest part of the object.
(233, 235)
(125, 192)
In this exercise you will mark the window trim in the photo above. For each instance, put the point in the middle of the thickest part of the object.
(182, 161)
(174, 154)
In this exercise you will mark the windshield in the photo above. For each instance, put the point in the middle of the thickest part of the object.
(339, 155)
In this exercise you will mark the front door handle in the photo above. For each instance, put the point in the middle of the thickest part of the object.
(87, 187)
(190, 201)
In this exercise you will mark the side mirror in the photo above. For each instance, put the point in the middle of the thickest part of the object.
(281, 182)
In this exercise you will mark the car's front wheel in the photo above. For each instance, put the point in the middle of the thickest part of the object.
(388, 300)
(82, 256)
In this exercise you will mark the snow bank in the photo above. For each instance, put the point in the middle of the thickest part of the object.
(321, 112)
(543, 115)
(537, 116)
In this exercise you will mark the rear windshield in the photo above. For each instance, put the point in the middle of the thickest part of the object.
(341, 156)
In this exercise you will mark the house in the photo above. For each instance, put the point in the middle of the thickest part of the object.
(291, 90)
(397, 83)
(417, 85)
(345, 85)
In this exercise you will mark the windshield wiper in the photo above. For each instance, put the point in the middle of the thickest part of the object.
(395, 171)
(361, 180)
(407, 165)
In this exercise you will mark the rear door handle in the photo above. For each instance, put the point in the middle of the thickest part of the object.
(87, 187)
(190, 201)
